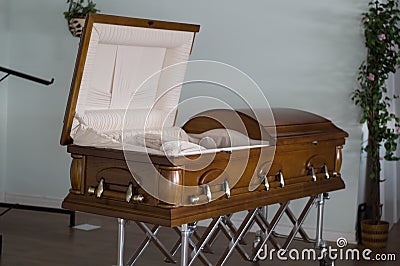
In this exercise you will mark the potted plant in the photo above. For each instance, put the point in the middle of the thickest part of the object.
(382, 40)
(76, 14)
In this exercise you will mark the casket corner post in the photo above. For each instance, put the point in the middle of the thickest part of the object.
(77, 174)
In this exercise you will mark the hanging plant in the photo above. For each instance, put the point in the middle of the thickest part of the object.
(76, 14)
(382, 40)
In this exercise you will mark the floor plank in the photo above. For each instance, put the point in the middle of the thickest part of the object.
(37, 238)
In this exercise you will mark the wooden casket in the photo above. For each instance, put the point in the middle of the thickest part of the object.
(131, 162)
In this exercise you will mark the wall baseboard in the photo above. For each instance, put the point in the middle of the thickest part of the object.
(34, 200)
(2, 196)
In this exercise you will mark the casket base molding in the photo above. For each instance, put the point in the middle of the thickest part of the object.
(171, 217)
(329, 235)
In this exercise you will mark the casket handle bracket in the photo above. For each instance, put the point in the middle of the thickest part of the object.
(194, 199)
(264, 178)
(280, 179)
(138, 198)
(325, 171)
(227, 189)
(208, 192)
(312, 173)
(98, 191)
(129, 193)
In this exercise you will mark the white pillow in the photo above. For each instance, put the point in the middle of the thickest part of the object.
(221, 138)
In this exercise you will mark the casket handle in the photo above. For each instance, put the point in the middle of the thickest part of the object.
(99, 191)
(206, 194)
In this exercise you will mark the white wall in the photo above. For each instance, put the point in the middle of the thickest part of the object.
(39, 45)
(3, 93)
(390, 189)
(303, 54)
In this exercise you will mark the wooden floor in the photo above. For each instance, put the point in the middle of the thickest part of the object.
(36, 238)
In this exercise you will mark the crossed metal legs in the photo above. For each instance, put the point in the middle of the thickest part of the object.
(190, 250)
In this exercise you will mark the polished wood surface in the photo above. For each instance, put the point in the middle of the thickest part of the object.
(237, 120)
(167, 215)
(83, 49)
(44, 239)
(78, 174)
(307, 151)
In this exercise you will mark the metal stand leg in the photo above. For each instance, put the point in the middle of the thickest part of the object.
(298, 223)
(260, 233)
(269, 229)
(320, 243)
(241, 232)
(292, 218)
(198, 249)
(121, 242)
(185, 245)
(151, 236)
(202, 242)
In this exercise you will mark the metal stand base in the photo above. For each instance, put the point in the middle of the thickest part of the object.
(191, 250)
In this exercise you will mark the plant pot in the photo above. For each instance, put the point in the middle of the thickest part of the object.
(374, 235)
(75, 26)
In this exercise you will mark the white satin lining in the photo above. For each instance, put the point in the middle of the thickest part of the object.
(121, 58)
(172, 141)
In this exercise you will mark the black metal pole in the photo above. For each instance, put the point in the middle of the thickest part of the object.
(25, 76)
(10, 206)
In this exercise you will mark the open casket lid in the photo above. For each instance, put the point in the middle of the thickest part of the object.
(116, 55)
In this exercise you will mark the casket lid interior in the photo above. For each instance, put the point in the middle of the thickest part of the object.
(119, 65)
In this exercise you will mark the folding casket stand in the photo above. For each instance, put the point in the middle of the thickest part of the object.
(116, 55)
